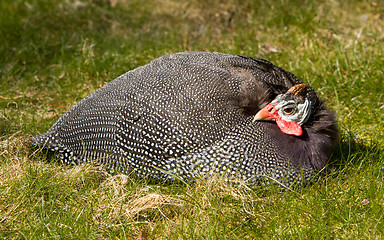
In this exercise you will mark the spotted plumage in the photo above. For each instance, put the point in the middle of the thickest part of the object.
(190, 114)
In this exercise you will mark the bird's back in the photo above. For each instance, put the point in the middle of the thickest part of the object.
(185, 113)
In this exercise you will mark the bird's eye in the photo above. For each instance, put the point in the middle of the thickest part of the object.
(288, 110)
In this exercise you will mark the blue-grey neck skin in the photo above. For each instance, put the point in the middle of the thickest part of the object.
(300, 113)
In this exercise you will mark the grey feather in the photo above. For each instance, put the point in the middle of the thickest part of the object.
(190, 114)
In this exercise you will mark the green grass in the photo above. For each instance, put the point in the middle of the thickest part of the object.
(58, 52)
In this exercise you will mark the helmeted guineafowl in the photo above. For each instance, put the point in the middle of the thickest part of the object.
(197, 113)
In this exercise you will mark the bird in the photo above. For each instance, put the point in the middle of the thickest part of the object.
(192, 114)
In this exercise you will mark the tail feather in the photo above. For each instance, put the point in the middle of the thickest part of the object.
(41, 141)
(47, 142)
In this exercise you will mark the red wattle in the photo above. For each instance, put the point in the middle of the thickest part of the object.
(291, 128)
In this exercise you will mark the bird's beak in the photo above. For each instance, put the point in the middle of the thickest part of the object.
(265, 113)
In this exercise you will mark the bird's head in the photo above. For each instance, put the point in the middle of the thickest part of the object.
(290, 110)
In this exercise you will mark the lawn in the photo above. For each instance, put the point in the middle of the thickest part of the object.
(54, 53)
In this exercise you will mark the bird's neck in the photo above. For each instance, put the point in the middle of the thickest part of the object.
(310, 150)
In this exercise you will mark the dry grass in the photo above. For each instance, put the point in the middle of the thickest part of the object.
(57, 52)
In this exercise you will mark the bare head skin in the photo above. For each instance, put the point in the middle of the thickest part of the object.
(290, 110)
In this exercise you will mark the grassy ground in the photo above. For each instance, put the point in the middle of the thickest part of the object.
(57, 52)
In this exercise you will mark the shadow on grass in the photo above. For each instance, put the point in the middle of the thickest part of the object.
(354, 153)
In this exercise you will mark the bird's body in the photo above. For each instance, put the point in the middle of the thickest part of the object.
(190, 114)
